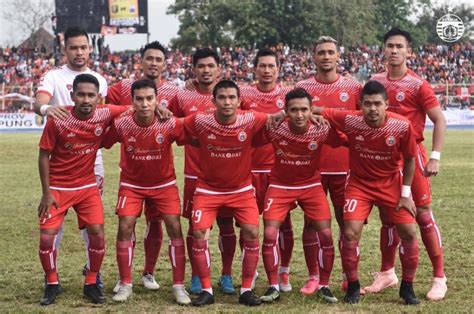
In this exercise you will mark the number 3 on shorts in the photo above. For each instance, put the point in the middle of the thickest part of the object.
(197, 215)
(269, 203)
(350, 206)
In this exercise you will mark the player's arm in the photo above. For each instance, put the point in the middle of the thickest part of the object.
(437, 117)
(190, 135)
(42, 108)
(47, 199)
(110, 138)
(406, 201)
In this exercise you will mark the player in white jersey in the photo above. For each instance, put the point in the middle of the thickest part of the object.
(54, 92)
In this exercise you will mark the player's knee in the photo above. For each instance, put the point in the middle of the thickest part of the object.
(424, 209)
(95, 229)
(249, 232)
(351, 233)
(407, 232)
(173, 227)
(199, 234)
(270, 234)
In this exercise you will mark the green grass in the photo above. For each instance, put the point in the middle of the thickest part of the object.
(21, 276)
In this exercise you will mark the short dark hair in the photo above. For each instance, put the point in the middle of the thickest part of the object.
(204, 53)
(265, 52)
(154, 45)
(297, 93)
(397, 32)
(373, 88)
(225, 84)
(74, 32)
(142, 84)
(85, 78)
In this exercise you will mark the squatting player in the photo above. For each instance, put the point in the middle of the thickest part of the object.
(153, 58)
(54, 92)
(147, 175)
(295, 178)
(67, 153)
(332, 90)
(413, 97)
(380, 144)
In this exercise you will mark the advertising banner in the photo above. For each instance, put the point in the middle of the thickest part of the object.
(123, 12)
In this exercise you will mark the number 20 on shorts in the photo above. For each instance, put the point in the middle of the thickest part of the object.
(350, 206)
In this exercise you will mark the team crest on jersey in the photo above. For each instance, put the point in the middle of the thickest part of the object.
(164, 103)
(344, 96)
(130, 149)
(98, 130)
(400, 96)
(68, 146)
(313, 145)
(280, 103)
(279, 153)
(160, 138)
(242, 136)
(132, 139)
(211, 136)
(390, 140)
(360, 138)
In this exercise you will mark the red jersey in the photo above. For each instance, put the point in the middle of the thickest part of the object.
(297, 155)
(190, 102)
(343, 94)
(375, 153)
(121, 94)
(73, 144)
(224, 150)
(410, 96)
(146, 158)
(268, 102)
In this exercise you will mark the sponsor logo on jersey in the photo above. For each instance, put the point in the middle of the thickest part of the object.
(71, 134)
(193, 108)
(160, 138)
(400, 96)
(130, 149)
(360, 138)
(283, 143)
(313, 145)
(211, 136)
(68, 145)
(344, 96)
(210, 147)
(390, 140)
(98, 130)
(253, 105)
(316, 98)
(242, 136)
(164, 103)
(280, 104)
(132, 139)
(280, 153)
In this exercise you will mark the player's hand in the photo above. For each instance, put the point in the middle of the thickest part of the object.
(163, 113)
(318, 120)
(274, 120)
(57, 112)
(408, 204)
(47, 200)
(431, 168)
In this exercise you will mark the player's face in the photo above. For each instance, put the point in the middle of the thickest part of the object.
(85, 97)
(396, 50)
(298, 111)
(77, 52)
(326, 57)
(226, 102)
(374, 108)
(144, 102)
(267, 70)
(206, 71)
(153, 63)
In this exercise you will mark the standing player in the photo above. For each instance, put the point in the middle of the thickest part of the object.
(54, 92)
(268, 96)
(380, 143)
(147, 174)
(413, 97)
(331, 90)
(66, 163)
(207, 71)
(224, 184)
(295, 178)
(152, 64)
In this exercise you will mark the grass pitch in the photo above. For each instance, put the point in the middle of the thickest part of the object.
(21, 277)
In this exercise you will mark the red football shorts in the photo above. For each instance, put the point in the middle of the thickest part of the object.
(280, 201)
(335, 184)
(86, 202)
(188, 196)
(162, 201)
(421, 186)
(207, 206)
(260, 183)
(362, 195)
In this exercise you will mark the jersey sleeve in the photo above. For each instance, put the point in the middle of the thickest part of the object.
(336, 138)
(178, 135)
(46, 84)
(49, 137)
(189, 126)
(426, 97)
(117, 110)
(408, 143)
(173, 104)
(260, 120)
(336, 118)
(261, 138)
(111, 137)
(113, 94)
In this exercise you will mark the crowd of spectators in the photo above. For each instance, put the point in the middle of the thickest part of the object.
(21, 70)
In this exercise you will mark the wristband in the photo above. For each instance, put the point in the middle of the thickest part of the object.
(435, 155)
(43, 109)
(406, 191)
